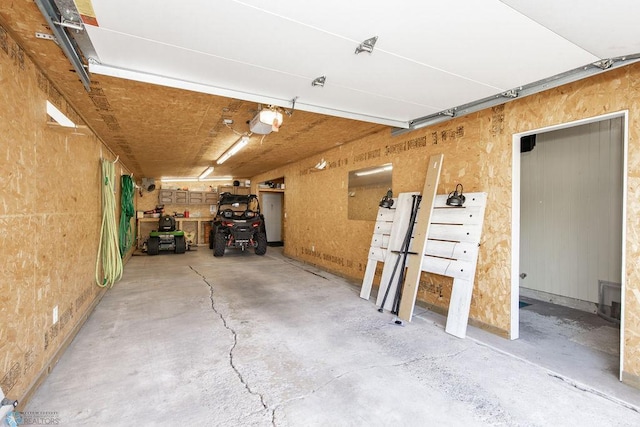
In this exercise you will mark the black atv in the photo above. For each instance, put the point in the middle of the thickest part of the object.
(238, 224)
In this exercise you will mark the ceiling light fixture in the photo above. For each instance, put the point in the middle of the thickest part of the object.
(59, 116)
(191, 179)
(244, 140)
(178, 179)
(319, 81)
(266, 121)
(218, 178)
(374, 171)
(367, 45)
(206, 172)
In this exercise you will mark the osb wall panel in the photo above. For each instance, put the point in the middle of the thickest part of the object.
(50, 216)
(478, 154)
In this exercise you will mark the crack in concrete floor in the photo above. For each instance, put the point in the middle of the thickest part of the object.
(234, 335)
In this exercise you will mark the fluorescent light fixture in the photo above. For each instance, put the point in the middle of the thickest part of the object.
(233, 150)
(59, 116)
(177, 179)
(191, 179)
(218, 178)
(385, 168)
(206, 173)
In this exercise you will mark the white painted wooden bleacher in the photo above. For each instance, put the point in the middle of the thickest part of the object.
(451, 250)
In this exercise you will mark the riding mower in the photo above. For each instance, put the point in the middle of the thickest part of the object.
(166, 238)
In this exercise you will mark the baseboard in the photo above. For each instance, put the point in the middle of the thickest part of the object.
(589, 307)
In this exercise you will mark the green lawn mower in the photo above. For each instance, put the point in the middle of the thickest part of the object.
(166, 238)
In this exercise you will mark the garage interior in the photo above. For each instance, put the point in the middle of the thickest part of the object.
(164, 96)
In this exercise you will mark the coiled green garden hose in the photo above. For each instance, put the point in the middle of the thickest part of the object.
(127, 191)
(108, 253)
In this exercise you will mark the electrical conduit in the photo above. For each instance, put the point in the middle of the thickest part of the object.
(108, 252)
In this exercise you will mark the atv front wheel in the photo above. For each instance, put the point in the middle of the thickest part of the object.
(219, 243)
(261, 240)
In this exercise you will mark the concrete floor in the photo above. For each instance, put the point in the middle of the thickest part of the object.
(191, 340)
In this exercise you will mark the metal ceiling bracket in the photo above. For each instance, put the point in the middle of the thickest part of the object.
(605, 64)
(510, 94)
(367, 45)
(293, 106)
(78, 26)
(52, 15)
(449, 113)
(46, 36)
(319, 81)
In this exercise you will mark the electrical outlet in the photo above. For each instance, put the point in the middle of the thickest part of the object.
(313, 248)
(55, 314)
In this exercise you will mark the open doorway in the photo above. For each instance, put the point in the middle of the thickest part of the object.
(272, 203)
(568, 229)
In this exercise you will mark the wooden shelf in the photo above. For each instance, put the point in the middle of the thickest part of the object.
(271, 190)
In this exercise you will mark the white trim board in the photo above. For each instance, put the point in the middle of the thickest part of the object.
(421, 231)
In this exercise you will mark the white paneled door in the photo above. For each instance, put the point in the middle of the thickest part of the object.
(272, 210)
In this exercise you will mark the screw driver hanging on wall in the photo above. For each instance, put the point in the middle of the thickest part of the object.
(402, 255)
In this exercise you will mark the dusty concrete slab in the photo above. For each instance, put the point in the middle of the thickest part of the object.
(247, 340)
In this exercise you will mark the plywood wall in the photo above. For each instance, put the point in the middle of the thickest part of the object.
(50, 216)
(478, 154)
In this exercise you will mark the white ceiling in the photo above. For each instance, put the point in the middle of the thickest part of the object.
(430, 55)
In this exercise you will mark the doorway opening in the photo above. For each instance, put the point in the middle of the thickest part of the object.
(272, 203)
(568, 217)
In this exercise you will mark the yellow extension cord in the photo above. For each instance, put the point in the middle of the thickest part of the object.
(108, 250)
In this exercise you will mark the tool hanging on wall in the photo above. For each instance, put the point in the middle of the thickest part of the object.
(456, 198)
(127, 212)
(108, 260)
